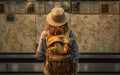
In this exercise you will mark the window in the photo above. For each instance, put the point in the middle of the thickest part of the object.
(75, 7)
(20, 6)
(93, 7)
(40, 7)
(30, 7)
(104, 8)
(10, 6)
(84, 7)
(2, 10)
(10, 18)
(48, 6)
(114, 7)
(66, 6)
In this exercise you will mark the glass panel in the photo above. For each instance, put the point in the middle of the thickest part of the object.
(66, 6)
(39, 67)
(20, 6)
(19, 67)
(2, 8)
(94, 7)
(99, 67)
(114, 7)
(75, 7)
(10, 18)
(40, 7)
(104, 8)
(30, 7)
(2, 67)
(10, 6)
(48, 6)
(84, 7)
(57, 4)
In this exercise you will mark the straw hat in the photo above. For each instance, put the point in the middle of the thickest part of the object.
(57, 17)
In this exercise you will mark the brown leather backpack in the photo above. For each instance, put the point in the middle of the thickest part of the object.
(59, 54)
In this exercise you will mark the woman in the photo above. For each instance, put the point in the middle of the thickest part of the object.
(57, 20)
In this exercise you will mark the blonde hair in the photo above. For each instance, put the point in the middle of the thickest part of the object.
(58, 30)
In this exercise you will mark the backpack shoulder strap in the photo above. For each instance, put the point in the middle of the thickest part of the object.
(67, 34)
(48, 33)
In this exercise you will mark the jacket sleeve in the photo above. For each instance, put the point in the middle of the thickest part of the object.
(74, 46)
(40, 52)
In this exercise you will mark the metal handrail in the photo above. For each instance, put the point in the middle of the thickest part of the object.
(81, 53)
(81, 60)
(93, 59)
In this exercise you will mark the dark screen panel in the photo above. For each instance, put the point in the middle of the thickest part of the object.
(104, 8)
(30, 7)
(2, 10)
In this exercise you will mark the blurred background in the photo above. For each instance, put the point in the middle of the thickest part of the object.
(94, 22)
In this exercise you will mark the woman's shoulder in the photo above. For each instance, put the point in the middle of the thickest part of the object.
(43, 34)
(72, 34)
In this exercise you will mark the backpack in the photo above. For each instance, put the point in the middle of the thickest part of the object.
(59, 54)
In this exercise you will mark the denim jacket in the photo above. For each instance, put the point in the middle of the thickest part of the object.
(42, 45)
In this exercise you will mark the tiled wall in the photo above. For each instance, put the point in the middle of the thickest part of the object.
(94, 32)
(18, 36)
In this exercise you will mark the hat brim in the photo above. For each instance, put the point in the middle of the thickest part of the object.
(54, 23)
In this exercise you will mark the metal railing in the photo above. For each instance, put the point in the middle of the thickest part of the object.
(81, 60)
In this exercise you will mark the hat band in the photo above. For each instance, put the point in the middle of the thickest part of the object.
(58, 18)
